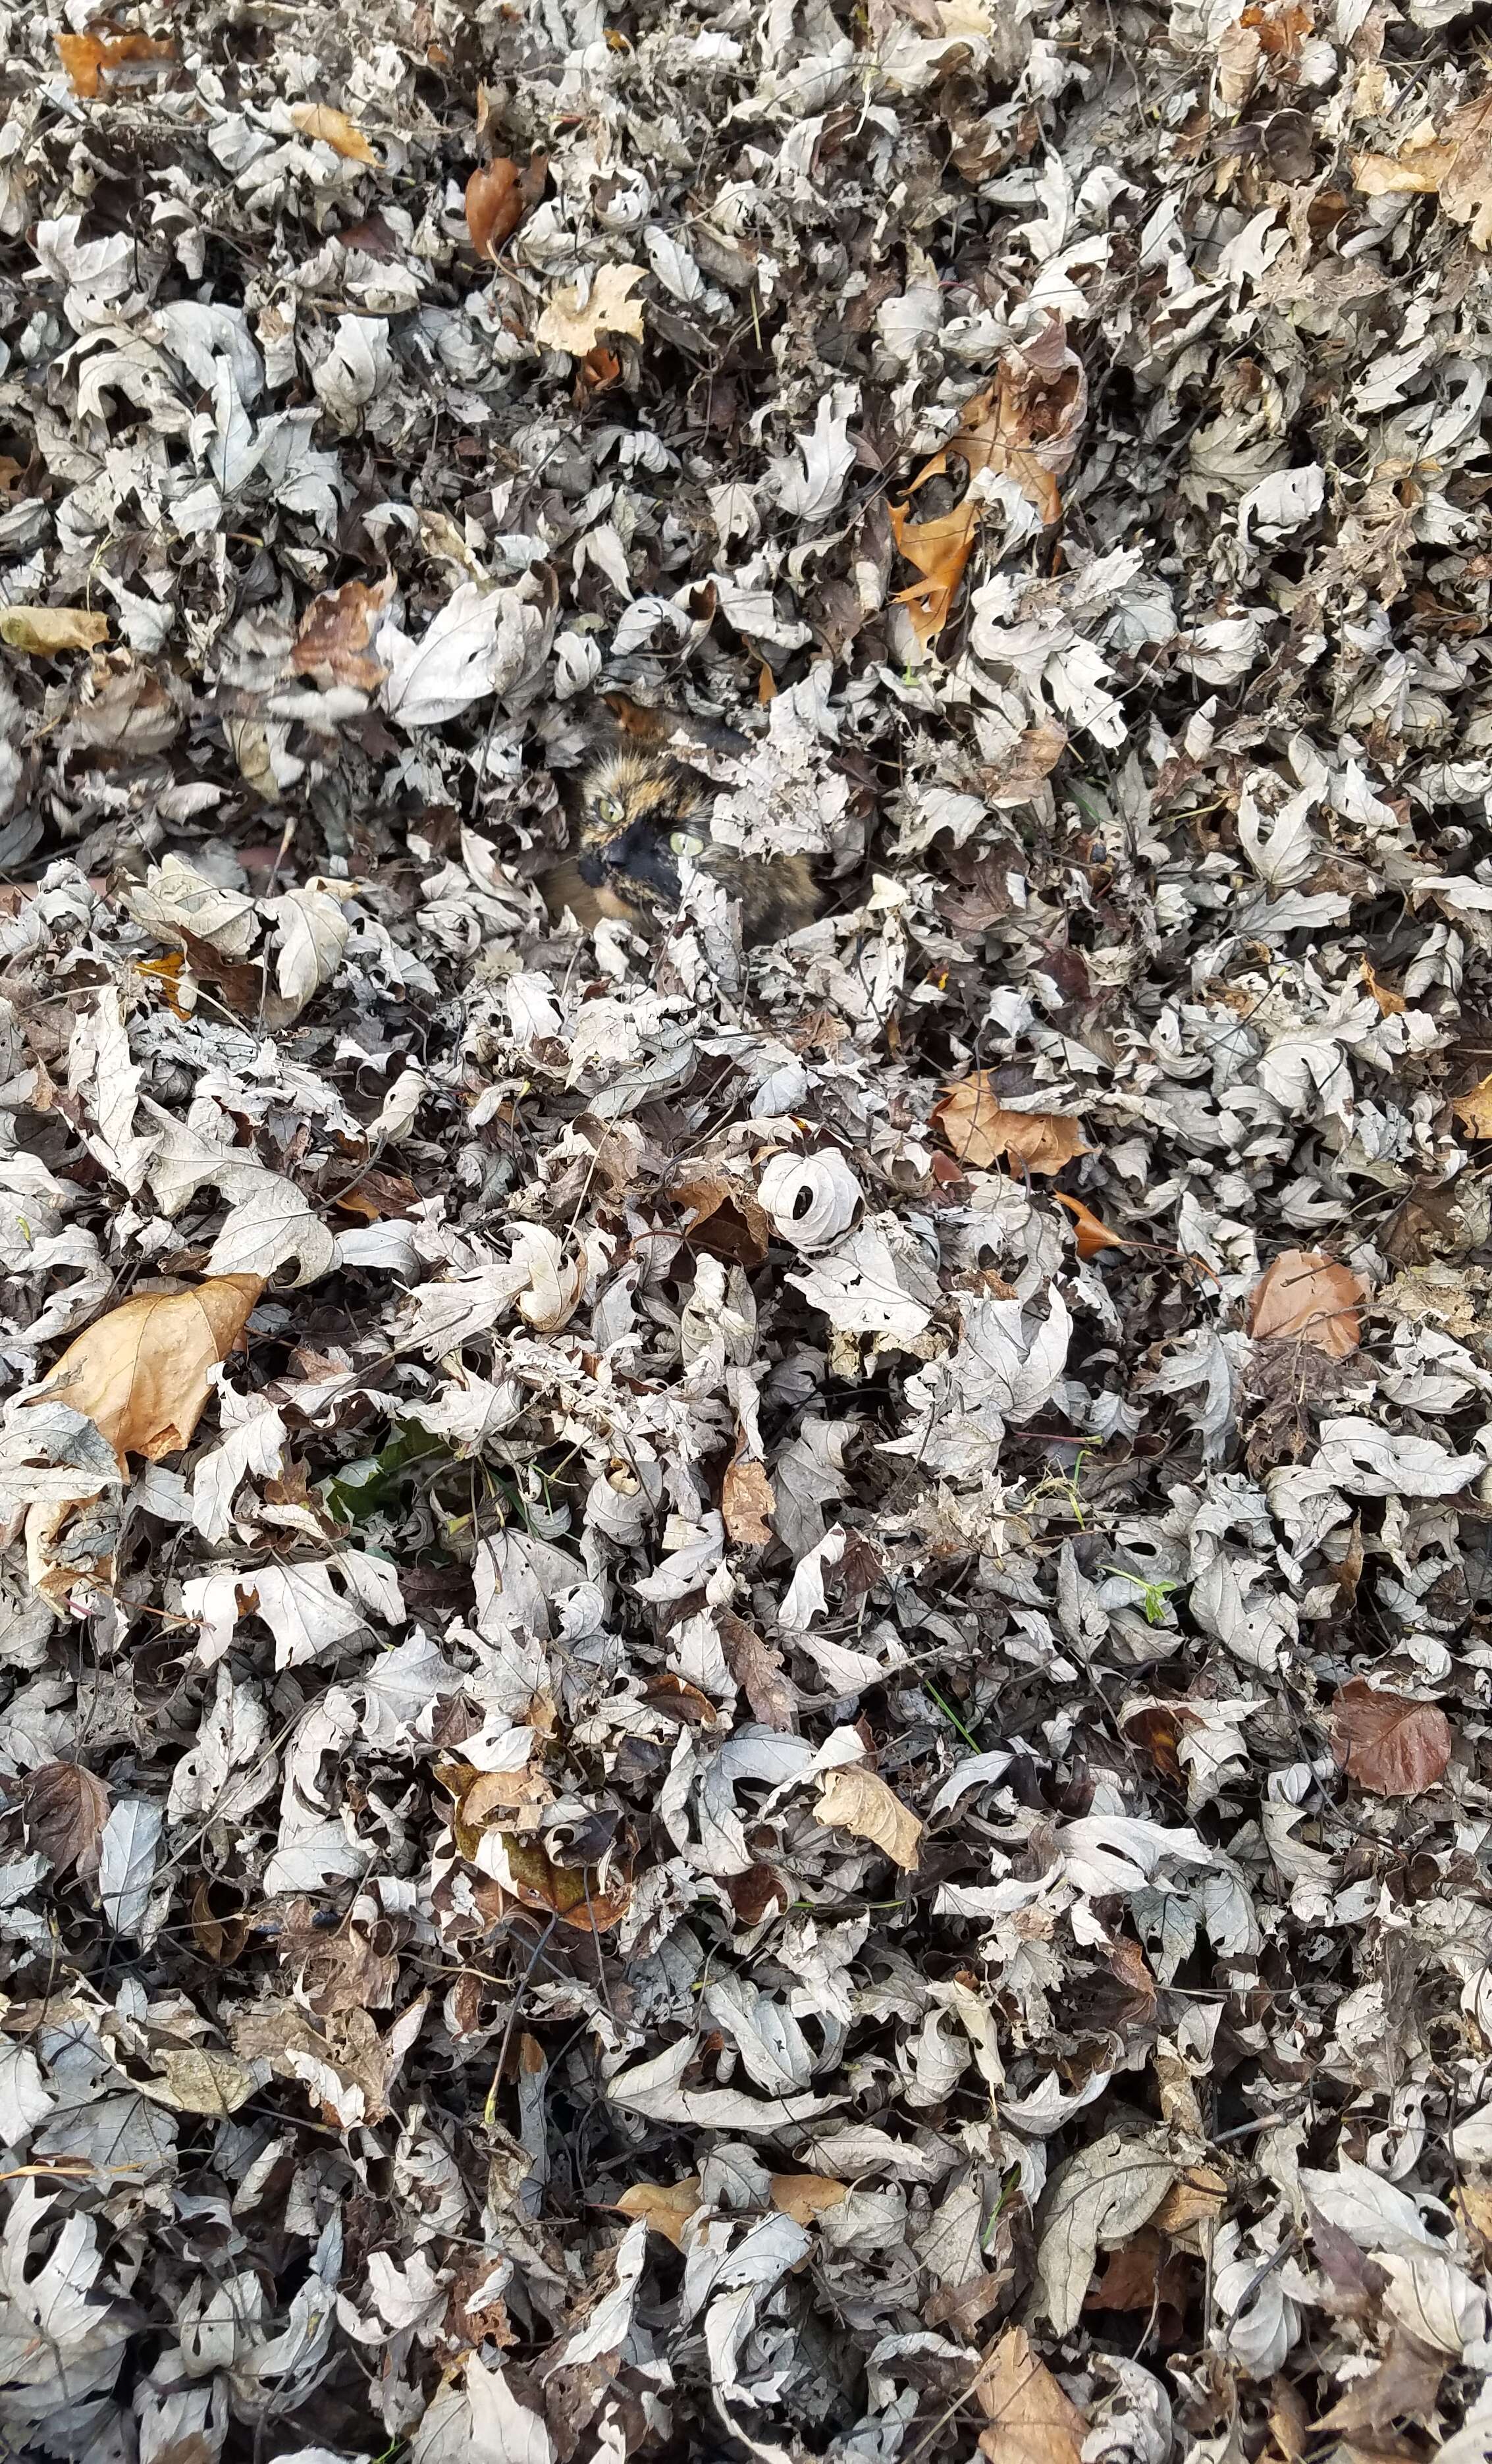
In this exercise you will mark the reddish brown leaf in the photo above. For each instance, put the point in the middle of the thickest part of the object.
(66, 1809)
(757, 1670)
(1390, 1744)
(335, 633)
(497, 197)
(1307, 1298)
(725, 1218)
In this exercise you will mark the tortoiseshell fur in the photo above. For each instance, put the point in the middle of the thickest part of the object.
(627, 869)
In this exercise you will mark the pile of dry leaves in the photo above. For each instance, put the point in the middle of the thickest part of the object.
(746, 1691)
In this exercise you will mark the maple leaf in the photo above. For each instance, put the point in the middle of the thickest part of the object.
(1390, 1744)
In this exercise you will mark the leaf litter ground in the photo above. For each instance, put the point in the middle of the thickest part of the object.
(746, 1690)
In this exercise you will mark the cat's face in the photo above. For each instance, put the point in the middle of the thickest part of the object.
(639, 822)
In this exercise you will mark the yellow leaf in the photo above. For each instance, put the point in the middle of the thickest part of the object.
(666, 2207)
(325, 126)
(43, 632)
(979, 1128)
(140, 1374)
(854, 1799)
(567, 327)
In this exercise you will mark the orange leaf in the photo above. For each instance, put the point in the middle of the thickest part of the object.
(497, 197)
(326, 126)
(979, 1128)
(1390, 1744)
(1092, 1235)
(1307, 1298)
(1474, 1111)
(88, 58)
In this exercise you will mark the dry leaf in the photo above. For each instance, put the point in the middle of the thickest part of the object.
(66, 1809)
(325, 126)
(1092, 1235)
(1025, 428)
(1391, 1746)
(1032, 2420)
(852, 1799)
(1391, 1004)
(805, 2196)
(140, 1374)
(88, 58)
(726, 1219)
(1474, 1111)
(1414, 175)
(1304, 1297)
(497, 197)
(1198, 2195)
(757, 1670)
(979, 1128)
(565, 325)
(44, 631)
(747, 1498)
(332, 646)
(665, 2207)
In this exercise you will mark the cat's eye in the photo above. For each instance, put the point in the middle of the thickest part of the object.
(687, 842)
(611, 810)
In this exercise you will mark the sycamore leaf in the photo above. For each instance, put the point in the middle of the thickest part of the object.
(981, 1129)
(852, 1799)
(142, 1374)
(1390, 1744)
(44, 631)
(66, 1809)
(1307, 1298)
(325, 126)
(568, 325)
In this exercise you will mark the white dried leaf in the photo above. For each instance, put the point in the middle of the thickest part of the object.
(127, 1861)
(812, 1200)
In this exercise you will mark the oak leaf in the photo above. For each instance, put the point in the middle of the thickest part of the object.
(852, 1799)
(1390, 1744)
(979, 1128)
(1307, 1298)
(566, 325)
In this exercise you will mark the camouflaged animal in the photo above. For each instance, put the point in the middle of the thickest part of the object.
(645, 816)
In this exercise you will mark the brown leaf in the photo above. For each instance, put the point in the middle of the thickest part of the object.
(726, 1219)
(1034, 758)
(1032, 2420)
(1474, 1111)
(570, 1892)
(1391, 1004)
(852, 1799)
(140, 1374)
(1025, 428)
(805, 2196)
(979, 1128)
(334, 632)
(757, 1670)
(1403, 2387)
(43, 632)
(747, 1498)
(1465, 179)
(1388, 1744)
(1304, 1297)
(88, 58)
(1092, 1235)
(326, 126)
(1198, 2195)
(493, 205)
(66, 1809)
(666, 2207)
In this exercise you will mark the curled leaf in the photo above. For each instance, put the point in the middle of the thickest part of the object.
(852, 1799)
(810, 1198)
(1092, 1235)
